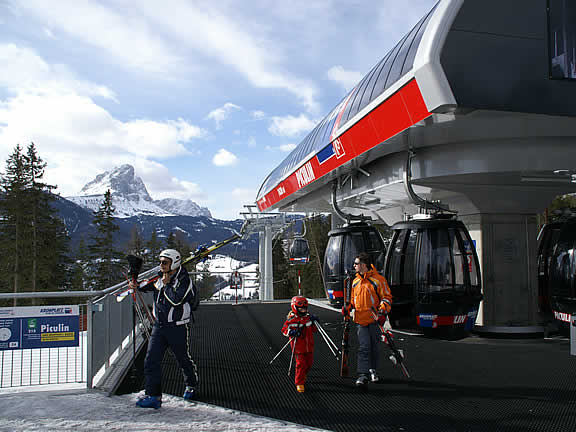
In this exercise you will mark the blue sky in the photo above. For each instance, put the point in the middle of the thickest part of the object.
(204, 98)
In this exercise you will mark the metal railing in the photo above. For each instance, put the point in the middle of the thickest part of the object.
(110, 338)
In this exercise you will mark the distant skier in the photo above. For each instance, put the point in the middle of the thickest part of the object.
(299, 326)
(172, 297)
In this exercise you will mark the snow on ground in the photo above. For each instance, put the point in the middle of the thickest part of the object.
(224, 266)
(31, 409)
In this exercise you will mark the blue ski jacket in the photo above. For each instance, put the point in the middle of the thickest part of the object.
(171, 301)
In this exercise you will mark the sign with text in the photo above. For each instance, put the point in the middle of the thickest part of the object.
(29, 327)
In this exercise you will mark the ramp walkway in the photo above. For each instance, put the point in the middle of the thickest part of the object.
(474, 384)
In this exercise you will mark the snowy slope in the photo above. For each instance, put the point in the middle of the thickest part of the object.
(223, 266)
(81, 410)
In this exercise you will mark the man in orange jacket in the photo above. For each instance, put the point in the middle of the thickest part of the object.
(370, 292)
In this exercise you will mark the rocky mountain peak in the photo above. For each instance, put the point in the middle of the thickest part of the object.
(121, 181)
(130, 196)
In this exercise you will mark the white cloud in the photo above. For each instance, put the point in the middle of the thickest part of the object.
(244, 195)
(223, 38)
(344, 78)
(287, 147)
(224, 158)
(24, 70)
(290, 125)
(162, 184)
(221, 114)
(258, 115)
(129, 38)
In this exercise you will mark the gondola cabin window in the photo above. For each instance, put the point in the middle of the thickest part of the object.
(562, 38)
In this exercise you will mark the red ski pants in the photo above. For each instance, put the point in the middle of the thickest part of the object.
(303, 364)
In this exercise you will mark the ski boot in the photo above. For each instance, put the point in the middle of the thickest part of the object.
(149, 402)
(189, 393)
(374, 378)
(362, 381)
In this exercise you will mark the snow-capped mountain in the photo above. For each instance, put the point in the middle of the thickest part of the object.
(182, 207)
(131, 198)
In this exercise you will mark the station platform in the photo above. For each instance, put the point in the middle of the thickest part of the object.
(473, 384)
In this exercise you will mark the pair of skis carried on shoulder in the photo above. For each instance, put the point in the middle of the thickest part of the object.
(197, 256)
(396, 356)
(135, 264)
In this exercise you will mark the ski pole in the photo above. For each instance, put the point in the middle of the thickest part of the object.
(292, 356)
(276, 356)
(326, 337)
(397, 356)
(327, 340)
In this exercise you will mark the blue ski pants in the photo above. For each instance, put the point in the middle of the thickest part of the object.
(368, 347)
(175, 338)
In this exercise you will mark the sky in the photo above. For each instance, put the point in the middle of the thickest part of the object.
(203, 98)
(61, 408)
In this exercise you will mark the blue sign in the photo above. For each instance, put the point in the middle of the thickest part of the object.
(31, 327)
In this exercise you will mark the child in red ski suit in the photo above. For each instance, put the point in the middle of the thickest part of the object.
(299, 326)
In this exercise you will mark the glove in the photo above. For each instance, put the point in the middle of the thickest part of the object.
(294, 333)
(382, 317)
(314, 318)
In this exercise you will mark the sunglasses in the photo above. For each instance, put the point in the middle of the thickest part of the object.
(357, 263)
(162, 262)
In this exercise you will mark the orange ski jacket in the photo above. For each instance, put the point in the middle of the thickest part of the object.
(368, 291)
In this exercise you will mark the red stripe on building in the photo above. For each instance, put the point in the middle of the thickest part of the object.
(401, 110)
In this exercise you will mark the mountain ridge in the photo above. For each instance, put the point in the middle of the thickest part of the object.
(131, 198)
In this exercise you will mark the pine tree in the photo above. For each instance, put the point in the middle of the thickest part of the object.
(317, 228)
(48, 237)
(33, 239)
(135, 245)
(102, 249)
(13, 221)
(154, 247)
(79, 276)
(283, 285)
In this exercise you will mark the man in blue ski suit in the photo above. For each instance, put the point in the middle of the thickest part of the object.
(173, 291)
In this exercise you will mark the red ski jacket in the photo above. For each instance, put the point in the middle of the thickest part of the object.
(304, 342)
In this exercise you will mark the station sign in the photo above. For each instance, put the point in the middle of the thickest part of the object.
(30, 327)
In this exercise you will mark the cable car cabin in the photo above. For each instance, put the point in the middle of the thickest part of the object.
(433, 272)
(547, 240)
(299, 251)
(561, 281)
(344, 244)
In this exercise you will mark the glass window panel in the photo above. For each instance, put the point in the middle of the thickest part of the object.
(562, 266)
(562, 39)
(435, 270)
(394, 277)
(463, 262)
(380, 85)
(350, 110)
(421, 26)
(396, 68)
(376, 247)
(332, 258)
(367, 89)
(353, 244)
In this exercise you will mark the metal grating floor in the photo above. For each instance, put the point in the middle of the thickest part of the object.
(471, 385)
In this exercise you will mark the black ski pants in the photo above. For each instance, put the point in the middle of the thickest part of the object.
(175, 338)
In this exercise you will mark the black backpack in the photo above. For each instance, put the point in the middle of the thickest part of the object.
(194, 297)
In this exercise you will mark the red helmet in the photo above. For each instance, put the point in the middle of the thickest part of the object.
(298, 302)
